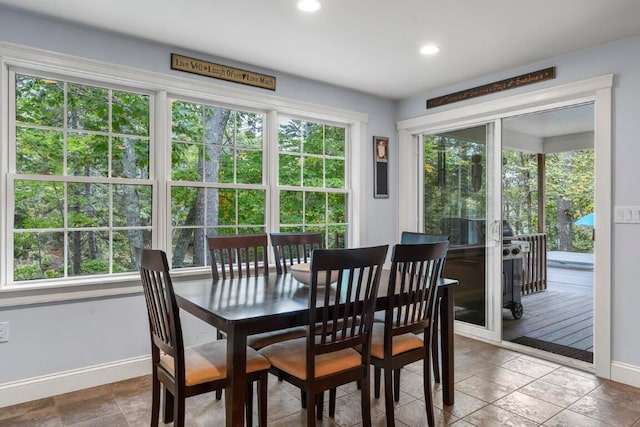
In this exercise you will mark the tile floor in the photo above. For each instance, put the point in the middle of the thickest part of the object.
(494, 387)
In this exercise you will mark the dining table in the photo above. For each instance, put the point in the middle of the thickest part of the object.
(244, 306)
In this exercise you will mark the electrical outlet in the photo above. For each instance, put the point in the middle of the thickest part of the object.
(4, 331)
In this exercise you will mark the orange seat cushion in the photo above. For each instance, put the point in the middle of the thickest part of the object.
(291, 357)
(400, 343)
(208, 362)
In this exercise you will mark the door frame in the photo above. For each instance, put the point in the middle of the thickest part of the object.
(596, 90)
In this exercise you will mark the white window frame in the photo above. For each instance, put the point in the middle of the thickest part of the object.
(72, 67)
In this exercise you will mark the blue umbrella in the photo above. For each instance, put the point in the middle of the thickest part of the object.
(587, 220)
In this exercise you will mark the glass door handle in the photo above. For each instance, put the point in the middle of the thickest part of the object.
(495, 230)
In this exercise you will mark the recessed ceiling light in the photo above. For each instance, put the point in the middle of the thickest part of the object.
(309, 5)
(429, 49)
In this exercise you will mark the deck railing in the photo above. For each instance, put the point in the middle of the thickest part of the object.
(534, 277)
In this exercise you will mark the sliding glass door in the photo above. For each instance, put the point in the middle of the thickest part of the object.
(459, 193)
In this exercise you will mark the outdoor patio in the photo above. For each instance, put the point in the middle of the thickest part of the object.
(560, 319)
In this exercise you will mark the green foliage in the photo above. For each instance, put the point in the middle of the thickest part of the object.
(448, 190)
(68, 130)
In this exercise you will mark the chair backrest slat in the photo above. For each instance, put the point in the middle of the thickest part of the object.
(294, 248)
(242, 254)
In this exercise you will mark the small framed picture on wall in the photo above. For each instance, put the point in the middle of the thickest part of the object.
(380, 167)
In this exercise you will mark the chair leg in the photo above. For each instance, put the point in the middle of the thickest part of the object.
(219, 394)
(388, 396)
(332, 402)
(178, 410)
(262, 399)
(365, 399)
(319, 405)
(249, 404)
(376, 382)
(303, 399)
(396, 385)
(167, 410)
(435, 353)
(428, 396)
(311, 416)
(155, 401)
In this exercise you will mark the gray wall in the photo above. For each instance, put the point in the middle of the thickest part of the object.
(621, 59)
(56, 337)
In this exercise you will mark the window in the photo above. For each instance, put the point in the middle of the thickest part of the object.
(96, 167)
(312, 179)
(217, 178)
(81, 183)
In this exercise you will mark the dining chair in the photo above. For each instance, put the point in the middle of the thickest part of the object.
(411, 237)
(415, 271)
(239, 255)
(242, 255)
(186, 371)
(294, 248)
(344, 313)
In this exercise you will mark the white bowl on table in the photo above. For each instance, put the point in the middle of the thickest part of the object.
(302, 273)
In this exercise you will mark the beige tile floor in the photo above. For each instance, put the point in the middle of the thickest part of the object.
(494, 387)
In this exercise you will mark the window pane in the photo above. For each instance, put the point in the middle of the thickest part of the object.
(249, 167)
(38, 205)
(186, 124)
(337, 236)
(131, 205)
(337, 208)
(130, 158)
(87, 108)
(39, 101)
(251, 205)
(224, 157)
(183, 201)
(290, 136)
(88, 205)
(291, 207)
(248, 130)
(88, 155)
(184, 162)
(335, 173)
(38, 256)
(313, 172)
(314, 211)
(289, 170)
(334, 141)
(124, 244)
(88, 253)
(130, 113)
(38, 151)
(313, 138)
(226, 208)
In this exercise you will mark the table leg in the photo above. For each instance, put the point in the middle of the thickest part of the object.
(236, 373)
(446, 343)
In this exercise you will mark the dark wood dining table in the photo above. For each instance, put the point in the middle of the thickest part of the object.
(246, 306)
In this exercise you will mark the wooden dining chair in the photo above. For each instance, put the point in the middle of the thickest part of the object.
(294, 248)
(415, 271)
(412, 238)
(323, 361)
(241, 255)
(186, 371)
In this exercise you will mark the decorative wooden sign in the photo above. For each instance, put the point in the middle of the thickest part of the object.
(217, 71)
(511, 83)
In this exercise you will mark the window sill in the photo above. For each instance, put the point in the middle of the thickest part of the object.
(125, 284)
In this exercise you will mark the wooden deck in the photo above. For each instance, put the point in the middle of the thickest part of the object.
(559, 319)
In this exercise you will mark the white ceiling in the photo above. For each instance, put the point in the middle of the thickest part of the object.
(367, 45)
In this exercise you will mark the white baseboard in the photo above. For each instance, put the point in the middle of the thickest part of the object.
(625, 373)
(22, 391)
